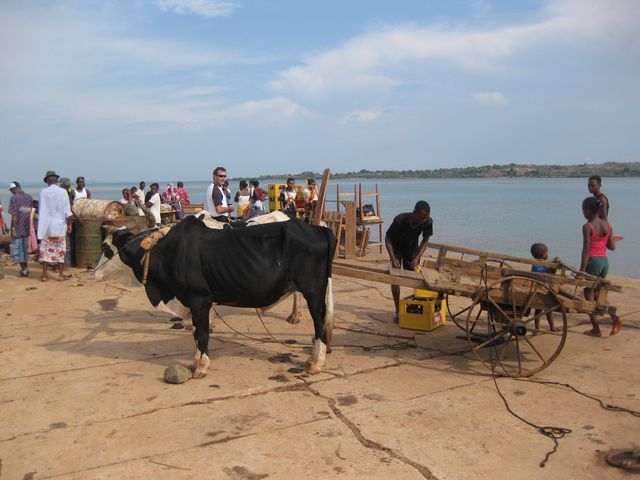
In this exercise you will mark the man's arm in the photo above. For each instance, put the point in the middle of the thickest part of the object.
(423, 247)
(388, 243)
(217, 202)
(395, 263)
(427, 231)
(604, 207)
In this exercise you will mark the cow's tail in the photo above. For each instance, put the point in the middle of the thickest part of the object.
(328, 319)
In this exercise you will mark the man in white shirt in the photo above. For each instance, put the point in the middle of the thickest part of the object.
(54, 221)
(81, 191)
(217, 204)
(153, 202)
(140, 192)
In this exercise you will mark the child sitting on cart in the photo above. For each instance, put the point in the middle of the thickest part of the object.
(539, 251)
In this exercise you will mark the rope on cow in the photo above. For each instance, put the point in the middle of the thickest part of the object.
(147, 245)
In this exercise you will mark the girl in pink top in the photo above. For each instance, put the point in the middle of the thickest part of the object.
(597, 237)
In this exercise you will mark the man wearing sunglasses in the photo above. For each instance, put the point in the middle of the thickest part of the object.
(216, 199)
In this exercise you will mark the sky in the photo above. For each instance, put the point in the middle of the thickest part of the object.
(170, 89)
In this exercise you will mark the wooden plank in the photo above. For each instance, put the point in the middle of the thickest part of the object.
(362, 250)
(350, 230)
(376, 276)
(322, 198)
(474, 269)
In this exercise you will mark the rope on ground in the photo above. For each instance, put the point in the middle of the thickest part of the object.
(606, 406)
(372, 348)
(552, 432)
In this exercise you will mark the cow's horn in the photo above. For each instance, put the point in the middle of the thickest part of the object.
(111, 229)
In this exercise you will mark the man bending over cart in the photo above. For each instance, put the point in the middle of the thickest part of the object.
(401, 241)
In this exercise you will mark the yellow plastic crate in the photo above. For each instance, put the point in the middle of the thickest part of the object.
(425, 313)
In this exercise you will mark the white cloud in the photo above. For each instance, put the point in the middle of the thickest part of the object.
(284, 107)
(381, 59)
(199, 91)
(361, 116)
(492, 99)
(204, 8)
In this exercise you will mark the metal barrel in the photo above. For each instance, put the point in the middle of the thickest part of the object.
(88, 242)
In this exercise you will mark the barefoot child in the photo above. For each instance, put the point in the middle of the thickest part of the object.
(539, 251)
(597, 236)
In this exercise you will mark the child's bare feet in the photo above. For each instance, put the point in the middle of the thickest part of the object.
(536, 332)
(617, 325)
(593, 333)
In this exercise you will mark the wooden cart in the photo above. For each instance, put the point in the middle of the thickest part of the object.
(505, 301)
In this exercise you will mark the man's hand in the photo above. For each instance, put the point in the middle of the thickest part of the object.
(395, 263)
(415, 264)
(230, 208)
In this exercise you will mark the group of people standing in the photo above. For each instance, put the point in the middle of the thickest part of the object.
(44, 225)
(250, 198)
(140, 201)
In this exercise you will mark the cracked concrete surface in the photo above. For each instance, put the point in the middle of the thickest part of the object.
(82, 394)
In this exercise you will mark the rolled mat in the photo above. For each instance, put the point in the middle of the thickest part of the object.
(105, 209)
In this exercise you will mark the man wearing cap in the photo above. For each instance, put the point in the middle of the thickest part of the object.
(20, 211)
(54, 222)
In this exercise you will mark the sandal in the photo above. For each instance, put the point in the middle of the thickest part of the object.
(617, 325)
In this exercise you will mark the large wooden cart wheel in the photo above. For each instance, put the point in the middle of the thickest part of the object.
(501, 326)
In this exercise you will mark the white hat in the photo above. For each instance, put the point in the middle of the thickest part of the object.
(12, 185)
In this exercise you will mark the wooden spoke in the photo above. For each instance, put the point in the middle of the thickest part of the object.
(534, 349)
(518, 355)
(532, 294)
(498, 308)
(492, 339)
(543, 312)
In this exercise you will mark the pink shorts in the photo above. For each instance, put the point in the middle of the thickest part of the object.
(53, 249)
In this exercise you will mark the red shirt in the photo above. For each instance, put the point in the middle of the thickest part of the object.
(183, 195)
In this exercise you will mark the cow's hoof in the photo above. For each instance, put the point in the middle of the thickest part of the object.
(292, 319)
(313, 370)
(197, 374)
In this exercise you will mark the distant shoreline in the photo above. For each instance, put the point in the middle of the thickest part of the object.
(512, 170)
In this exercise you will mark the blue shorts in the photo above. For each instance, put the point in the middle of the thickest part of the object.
(598, 266)
(20, 249)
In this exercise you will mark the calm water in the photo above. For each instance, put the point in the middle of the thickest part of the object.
(500, 215)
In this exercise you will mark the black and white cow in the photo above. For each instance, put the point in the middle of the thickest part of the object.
(197, 266)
